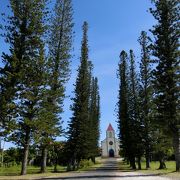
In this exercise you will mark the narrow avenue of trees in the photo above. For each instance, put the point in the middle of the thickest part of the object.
(34, 72)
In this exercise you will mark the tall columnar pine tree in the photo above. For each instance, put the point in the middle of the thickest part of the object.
(134, 111)
(123, 118)
(78, 126)
(166, 49)
(94, 117)
(97, 116)
(146, 93)
(10, 71)
(90, 83)
(25, 64)
(60, 46)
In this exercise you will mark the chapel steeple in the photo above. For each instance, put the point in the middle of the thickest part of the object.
(110, 128)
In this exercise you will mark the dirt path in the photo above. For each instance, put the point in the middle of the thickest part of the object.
(109, 171)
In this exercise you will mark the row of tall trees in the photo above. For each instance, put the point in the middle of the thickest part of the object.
(32, 84)
(32, 79)
(83, 134)
(148, 110)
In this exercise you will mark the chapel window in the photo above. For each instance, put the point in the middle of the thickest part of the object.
(111, 143)
(110, 134)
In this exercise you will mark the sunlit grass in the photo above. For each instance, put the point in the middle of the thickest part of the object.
(15, 170)
(154, 165)
(169, 171)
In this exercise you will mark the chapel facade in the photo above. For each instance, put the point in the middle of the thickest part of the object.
(110, 146)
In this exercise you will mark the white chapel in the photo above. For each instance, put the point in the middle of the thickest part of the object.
(110, 146)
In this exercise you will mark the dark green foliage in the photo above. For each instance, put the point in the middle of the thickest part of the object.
(78, 126)
(57, 73)
(60, 43)
(123, 118)
(25, 63)
(130, 123)
(151, 108)
(162, 146)
(12, 156)
(146, 94)
(10, 72)
(32, 86)
(135, 122)
(83, 134)
(94, 119)
(166, 80)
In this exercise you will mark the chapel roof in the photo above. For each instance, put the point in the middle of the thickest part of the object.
(110, 128)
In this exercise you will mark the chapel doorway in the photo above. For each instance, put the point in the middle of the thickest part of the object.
(111, 153)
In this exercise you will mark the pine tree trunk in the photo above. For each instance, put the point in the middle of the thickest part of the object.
(69, 166)
(78, 164)
(55, 164)
(147, 159)
(93, 159)
(25, 157)
(55, 167)
(176, 145)
(139, 162)
(133, 163)
(44, 160)
(74, 165)
(162, 164)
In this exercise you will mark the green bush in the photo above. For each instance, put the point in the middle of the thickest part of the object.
(85, 163)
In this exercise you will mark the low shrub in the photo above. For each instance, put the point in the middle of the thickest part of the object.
(85, 163)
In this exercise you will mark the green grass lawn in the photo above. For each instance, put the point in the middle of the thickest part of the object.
(15, 170)
(170, 167)
(169, 171)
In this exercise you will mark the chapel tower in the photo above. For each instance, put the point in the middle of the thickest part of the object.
(110, 146)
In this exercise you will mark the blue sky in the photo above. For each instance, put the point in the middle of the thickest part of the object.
(114, 25)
